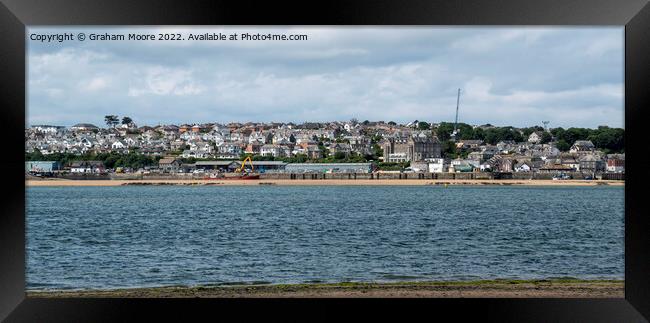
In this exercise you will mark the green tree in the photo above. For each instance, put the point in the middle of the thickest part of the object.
(562, 145)
(111, 120)
(339, 155)
(126, 120)
(377, 151)
(449, 149)
(423, 125)
(443, 131)
(608, 139)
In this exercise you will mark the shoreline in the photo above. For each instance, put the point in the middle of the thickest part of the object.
(560, 288)
(324, 182)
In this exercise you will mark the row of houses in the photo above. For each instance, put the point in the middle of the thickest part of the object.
(590, 163)
(377, 141)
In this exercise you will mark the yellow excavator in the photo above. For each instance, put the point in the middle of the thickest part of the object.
(244, 173)
(243, 165)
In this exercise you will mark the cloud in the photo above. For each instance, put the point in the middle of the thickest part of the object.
(163, 81)
(509, 76)
(96, 83)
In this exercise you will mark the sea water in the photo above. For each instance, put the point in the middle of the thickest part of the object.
(137, 236)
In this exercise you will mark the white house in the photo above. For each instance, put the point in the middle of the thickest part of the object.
(270, 150)
(523, 166)
(437, 165)
(118, 144)
(535, 137)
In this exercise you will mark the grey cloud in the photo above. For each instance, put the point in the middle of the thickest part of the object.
(509, 76)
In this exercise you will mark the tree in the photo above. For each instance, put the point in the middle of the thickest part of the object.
(111, 120)
(562, 145)
(443, 131)
(36, 155)
(573, 134)
(366, 122)
(126, 120)
(546, 138)
(558, 133)
(608, 139)
(449, 149)
(423, 125)
(479, 134)
(377, 151)
(392, 123)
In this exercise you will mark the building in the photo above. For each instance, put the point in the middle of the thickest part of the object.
(591, 163)
(616, 165)
(555, 168)
(500, 163)
(270, 150)
(437, 165)
(523, 166)
(468, 144)
(84, 127)
(48, 129)
(535, 137)
(42, 166)
(329, 168)
(411, 148)
(169, 165)
(582, 146)
(91, 166)
(263, 166)
(218, 165)
(340, 148)
(460, 166)
(419, 166)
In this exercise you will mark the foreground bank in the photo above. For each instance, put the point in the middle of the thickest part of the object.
(415, 182)
(568, 288)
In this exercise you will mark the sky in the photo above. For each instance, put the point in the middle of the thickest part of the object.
(514, 76)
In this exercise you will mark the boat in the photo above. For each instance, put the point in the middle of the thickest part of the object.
(234, 177)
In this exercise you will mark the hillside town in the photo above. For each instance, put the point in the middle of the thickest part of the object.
(322, 147)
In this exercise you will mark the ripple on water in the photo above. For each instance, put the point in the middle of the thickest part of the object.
(95, 237)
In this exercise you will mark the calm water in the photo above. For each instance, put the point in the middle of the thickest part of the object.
(109, 237)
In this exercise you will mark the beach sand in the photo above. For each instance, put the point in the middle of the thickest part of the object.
(297, 182)
(491, 289)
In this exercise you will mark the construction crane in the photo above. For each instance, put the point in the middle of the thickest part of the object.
(453, 134)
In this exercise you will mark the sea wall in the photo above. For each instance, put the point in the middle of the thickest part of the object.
(343, 176)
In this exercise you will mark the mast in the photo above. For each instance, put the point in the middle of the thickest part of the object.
(457, 104)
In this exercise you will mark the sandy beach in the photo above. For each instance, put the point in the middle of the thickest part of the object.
(297, 182)
(492, 289)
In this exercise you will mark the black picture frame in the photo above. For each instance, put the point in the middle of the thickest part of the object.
(15, 15)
